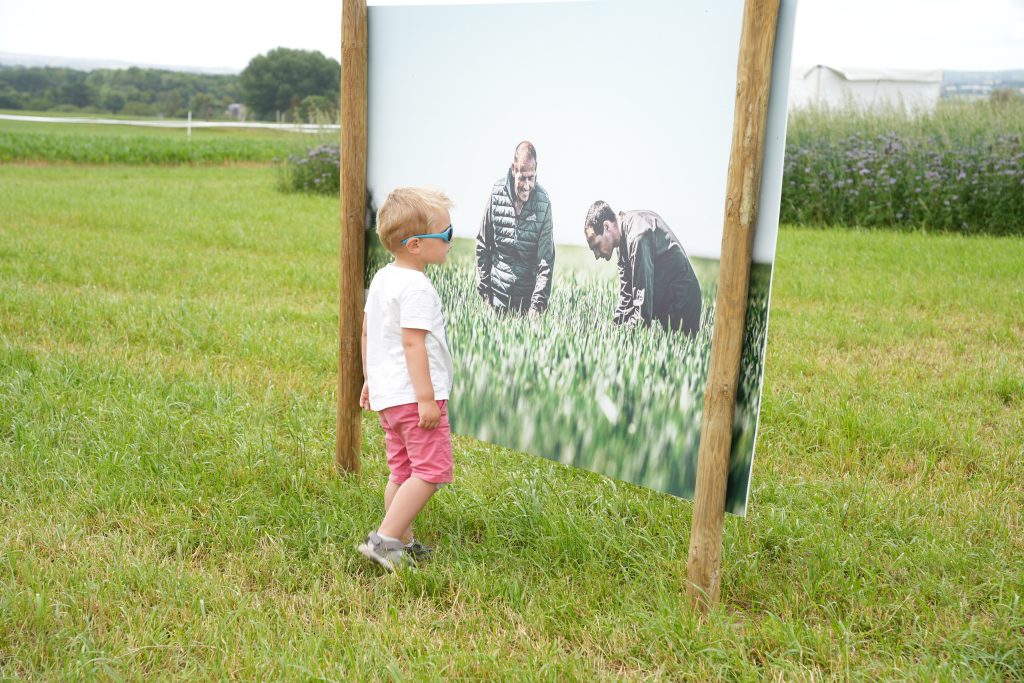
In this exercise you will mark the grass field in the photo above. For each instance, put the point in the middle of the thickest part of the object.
(169, 508)
(114, 144)
(574, 387)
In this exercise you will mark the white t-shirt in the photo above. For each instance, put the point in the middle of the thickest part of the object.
(402, 297)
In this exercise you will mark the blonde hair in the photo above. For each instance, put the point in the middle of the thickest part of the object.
(405, 212)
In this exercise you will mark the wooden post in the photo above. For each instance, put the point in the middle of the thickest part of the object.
(353, 212)
(753, 84)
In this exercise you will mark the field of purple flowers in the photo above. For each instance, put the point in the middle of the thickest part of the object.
(316, 170)
(959, 169)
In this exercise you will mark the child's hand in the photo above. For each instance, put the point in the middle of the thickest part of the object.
(430, 414)
(364, 396)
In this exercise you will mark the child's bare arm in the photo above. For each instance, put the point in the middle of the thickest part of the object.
(415, 344)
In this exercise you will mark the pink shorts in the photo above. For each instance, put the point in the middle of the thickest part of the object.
(415, 452)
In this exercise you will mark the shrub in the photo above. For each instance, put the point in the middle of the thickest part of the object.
(959, 169)
(317, 170)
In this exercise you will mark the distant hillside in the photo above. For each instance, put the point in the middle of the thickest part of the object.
(128, 91)
(283, 84)
(981, 83)
(15, 59)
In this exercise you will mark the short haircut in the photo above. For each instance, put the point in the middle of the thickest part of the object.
(405, 212)
(525, 151)
(599, 213)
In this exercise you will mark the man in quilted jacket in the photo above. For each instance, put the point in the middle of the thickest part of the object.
(656, 280)
(515, 251)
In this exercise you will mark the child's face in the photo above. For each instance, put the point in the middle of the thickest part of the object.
(434, 250)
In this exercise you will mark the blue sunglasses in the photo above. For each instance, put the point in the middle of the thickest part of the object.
(446, 235)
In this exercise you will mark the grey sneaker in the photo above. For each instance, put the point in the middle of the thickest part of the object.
(388, 554)
(417, 551)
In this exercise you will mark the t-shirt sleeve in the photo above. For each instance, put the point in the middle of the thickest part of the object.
(417, 308)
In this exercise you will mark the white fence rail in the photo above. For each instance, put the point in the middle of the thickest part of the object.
(172, 123)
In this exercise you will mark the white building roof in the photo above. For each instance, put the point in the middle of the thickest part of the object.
(869, 74)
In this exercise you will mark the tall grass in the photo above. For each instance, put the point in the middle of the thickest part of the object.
(112, 144)
(959, 169)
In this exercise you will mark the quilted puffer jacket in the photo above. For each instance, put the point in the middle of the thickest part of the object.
(515, 255)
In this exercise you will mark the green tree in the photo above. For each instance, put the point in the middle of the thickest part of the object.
(32, 81)
(114, 102)
(9, 97)
(283, 77)
(201, 106)
(76, 93)
(139, 109)
(132, 91)
(171, 103)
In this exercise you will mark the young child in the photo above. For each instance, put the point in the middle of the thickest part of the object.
(408, 368)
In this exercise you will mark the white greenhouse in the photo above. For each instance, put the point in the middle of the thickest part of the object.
(914, 91)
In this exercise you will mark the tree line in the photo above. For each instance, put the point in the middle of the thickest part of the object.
(293, 85)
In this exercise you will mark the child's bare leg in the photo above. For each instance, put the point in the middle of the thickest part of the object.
(389, 495)
(407, 502)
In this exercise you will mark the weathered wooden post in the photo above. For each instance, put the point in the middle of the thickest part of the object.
(753, 84)
(353, 211)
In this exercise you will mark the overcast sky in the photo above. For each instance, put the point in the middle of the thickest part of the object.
(932, 34)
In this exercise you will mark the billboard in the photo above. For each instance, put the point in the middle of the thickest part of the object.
(586, 147)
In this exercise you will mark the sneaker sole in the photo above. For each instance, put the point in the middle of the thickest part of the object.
(368, 553)
(420, 558)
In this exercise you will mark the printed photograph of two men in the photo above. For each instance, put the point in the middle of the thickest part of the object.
(586, 147)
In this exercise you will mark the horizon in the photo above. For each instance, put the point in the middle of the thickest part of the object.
(951, 35)
(65, 61)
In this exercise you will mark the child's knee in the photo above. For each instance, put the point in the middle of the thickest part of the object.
(400, 475)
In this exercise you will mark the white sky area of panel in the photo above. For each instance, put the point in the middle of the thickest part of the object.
(634, 108)
(926, 34)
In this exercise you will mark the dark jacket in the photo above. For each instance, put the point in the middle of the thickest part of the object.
(515, 255)
(656, 280)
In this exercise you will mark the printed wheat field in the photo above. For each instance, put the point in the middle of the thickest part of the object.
(572, 386)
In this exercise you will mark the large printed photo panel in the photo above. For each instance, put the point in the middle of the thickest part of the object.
(586, 147)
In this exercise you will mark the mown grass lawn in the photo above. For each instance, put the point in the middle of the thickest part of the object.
(169, 508)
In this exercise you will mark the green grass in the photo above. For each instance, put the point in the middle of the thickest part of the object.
(574, 387)
(169, 508)
(114, 144)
